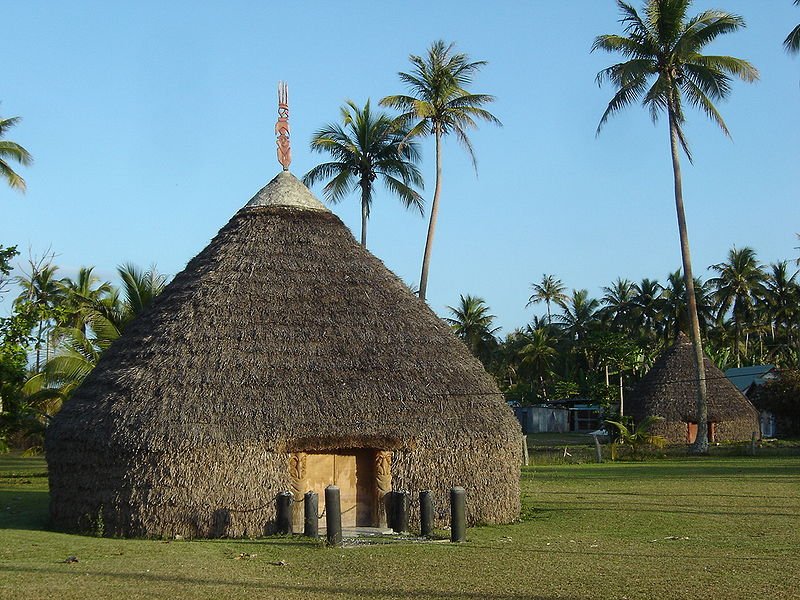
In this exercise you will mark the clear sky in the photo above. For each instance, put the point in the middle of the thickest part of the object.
(151, 124)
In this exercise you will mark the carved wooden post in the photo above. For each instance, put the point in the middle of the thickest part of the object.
(297, 472)
(383, 482)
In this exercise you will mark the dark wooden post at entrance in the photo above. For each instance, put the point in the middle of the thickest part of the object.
(311, 514)
(283, 520)
(458, 514)
(400, 502)
(426, 513)
(333, 516)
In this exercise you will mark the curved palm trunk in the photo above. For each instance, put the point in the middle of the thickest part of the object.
(700, 445)
(426, 258)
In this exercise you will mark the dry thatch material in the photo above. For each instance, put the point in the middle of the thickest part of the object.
(282, 335)
(669, 390)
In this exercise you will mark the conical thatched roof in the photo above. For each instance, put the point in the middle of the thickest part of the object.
(669, 390)
(282, 335)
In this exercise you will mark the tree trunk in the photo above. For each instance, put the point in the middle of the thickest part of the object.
(426, 259)
(700, 445)
(364, 213)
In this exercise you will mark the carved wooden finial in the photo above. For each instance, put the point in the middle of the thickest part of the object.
(282, 126)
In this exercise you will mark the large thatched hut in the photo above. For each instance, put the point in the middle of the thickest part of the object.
(669, 391)
(284, 357)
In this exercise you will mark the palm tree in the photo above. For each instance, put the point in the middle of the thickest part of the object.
(579, 314)
(538, 355)
(12, 151)
(472, 322)
(80, 294)
(41, 294)
(366, 146)
(666, 45)
(618, 303)
(782, 299)
(139, 289)
(738, 288)
(548, 290)
(647, 303)
(439, 105)
(77, 354)
(792, 41)
(673, 306)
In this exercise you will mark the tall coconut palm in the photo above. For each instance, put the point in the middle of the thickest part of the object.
(792, 41)
(80, 294)
(365, 146)
(579, 314)
(548, 290)
(738, 287)
(75, 357)
(12, 151)
(647, 303)
(618, 303)
(783, 300)
(673, 306)
(473, 323)
(666, 45)
(538, 355)
(440, 105)
(42, 293)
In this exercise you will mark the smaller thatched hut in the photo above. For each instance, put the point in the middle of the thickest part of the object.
(669, 390)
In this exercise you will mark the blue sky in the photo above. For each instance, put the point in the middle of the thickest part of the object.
(151, 124)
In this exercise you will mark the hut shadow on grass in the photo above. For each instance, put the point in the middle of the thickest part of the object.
(142, 579)
(24, 509)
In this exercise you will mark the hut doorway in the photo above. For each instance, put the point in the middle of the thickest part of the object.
(691, 432)
(362, 476)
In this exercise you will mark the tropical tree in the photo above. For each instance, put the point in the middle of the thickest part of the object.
(12, 151)
(673, 306)
(365, 146)
(139, 289)
(638, 436)
(783, 306)
(738, 287)
(647, 304)
(618, 304)
(75, 357)
(538, 355)
(41, 298)
(81, 294)
(548, 290)
(439, 104)
(792, 41)
(578, 315)
(666, 45)
(473, 323)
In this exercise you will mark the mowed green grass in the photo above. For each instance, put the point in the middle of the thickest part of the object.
(702, 528)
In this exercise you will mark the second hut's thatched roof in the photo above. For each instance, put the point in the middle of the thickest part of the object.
(669, 389)
(283, 332)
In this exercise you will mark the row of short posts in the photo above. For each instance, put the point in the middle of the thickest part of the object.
(397, 511)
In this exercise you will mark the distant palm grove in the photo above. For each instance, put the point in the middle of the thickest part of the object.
(590, 347)
(579, 345)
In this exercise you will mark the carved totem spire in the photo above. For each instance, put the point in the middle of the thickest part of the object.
(282, 126)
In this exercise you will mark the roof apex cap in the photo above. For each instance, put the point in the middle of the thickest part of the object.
(288, 191)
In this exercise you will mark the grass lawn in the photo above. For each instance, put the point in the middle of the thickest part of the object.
(704, 528)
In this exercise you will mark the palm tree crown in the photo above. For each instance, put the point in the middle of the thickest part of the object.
(439, 105)
(792, 41)
(13, 151)
(473, 323)
(666, 45)
(367, 145)
(549, 289)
